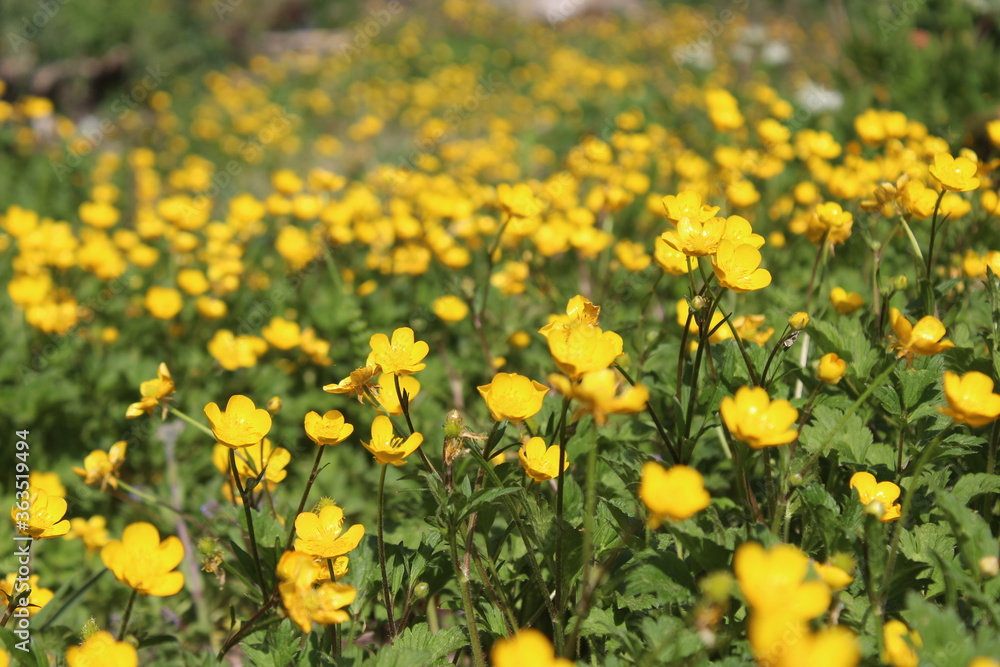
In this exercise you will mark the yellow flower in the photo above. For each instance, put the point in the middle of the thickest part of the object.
(870, 491)
(831, 368)
(687, 204)
(163, 302)
(900, 645)
(234, 352)
(845, 302)
(676, 493)
(323, 534)
(323, 604)
(102, 467)
(696, 239)
(39, 515)
(152, 392)
(831, 647)
(739, 230)
(671, 260)
(798, 321)
(357, 383)
(450, 308)
(539, 462)
(955, 174)
(597, 390)
(387, 396)
(774, 582)
(141, 561)
(527, 648)
(386, 447)
(829, 219)
(250, 461)
(241, 425)
(37, 599)
(755, 419)
(48, 482)
(513, 397)
(925, 338)
(983, 661)
(736, 267)
(101, 648)
(92, 531)
(401, 356)
(330, 429)
(518, 201)
(579, 309)
(835, 577)
(970, 398)
(281, 333)
(581, 347)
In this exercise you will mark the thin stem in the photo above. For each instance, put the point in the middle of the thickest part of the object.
(934, 225)
(770, 357)
(250, 531)
(478, 658)
(127, 615)
(386, 595)
(305, 495)
(656, 420)
(559, 517)
(409, 424)
(198, 425)
(590, 503)
(820, 253)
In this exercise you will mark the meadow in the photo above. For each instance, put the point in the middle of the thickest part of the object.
(439, 333)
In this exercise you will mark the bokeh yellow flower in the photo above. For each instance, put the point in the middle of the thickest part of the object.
(101, 648)
(526, 648)
(870, 491)
(674, 493)
(970, 398)
(142, 562)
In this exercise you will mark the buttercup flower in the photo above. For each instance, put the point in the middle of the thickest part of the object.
(798, 321)
(518, 201)
(513, 397)
(527, 648)
(925, 338)
(836, 577)
(775, 581)
(281, 333)
(323, 534)
(845, 302)
(401, 356)
(688, 204)
(450, 308)
(696, 239)
(386, 447)
(306, 602)
(102, 467)
(598, 392)
(870, 490)
(163, 302)
(387, 396)
(831, 368)
(152, 392)
(755, 419)
(330, 429)
(539, 462)
(579, 309)
(357, 383)
(675, 494)
(41, 515)
(970, 398)
(101, 648)
(250, 461)
(241, 425)
(901, 645)
(580, 347)
(142, 562)
(737, 267)
(957, 174)
(38, 598)
(92, 531)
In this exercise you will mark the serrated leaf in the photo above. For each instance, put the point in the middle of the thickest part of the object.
(973, 484)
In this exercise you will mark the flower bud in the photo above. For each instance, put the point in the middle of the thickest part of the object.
(876, 509)
(453, 424)
(717, 587)
(421, 590)
(989, 565)
(798, 321)
(831, 368)
(900, 282)
(698, 302)
(89, 628)
(323, 502)
(274, 405)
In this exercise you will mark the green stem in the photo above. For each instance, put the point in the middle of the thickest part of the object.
(559, 520)
(198, 425)
(386, 595)
(656, 420)
(250, 531)
(305, 495)
(478, 658)
(770, 358)
(127, 615)
(590, 503)
(820, 253)
(409, 424)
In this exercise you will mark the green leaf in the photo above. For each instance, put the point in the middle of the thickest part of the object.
(280, 645)
(417, 646)
(972, 533)
(975, 484)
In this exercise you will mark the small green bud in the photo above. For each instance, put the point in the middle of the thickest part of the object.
(89, 628)
(698, 303)
(453, 424)
(321, 503)
(421, 590)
